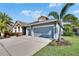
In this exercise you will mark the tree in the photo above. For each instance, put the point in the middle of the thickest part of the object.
(4, 21)
(2, 27)
(6, 18)
(71, 18)
(61, 16)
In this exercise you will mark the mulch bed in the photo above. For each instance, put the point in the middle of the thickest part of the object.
(62, 42)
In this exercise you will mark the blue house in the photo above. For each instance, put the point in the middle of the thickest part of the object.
(43, 27)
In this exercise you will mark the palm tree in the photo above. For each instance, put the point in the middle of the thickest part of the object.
(63, 15)
(6, 18)
(72, 18)
(4, 21)
(2, 27)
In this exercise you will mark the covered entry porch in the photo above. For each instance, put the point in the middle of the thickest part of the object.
(20, 27)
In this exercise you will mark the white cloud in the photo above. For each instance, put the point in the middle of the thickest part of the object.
(26, 12)
(54, 4)
(34, 14)
(76, 11)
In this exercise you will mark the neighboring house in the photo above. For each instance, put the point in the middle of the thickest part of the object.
(76, 30)
(42, 28)
(66, 22)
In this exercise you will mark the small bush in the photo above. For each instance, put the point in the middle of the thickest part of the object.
(18, 34)
(68, 33)
(12, 34)
(7, 34)
(15, 34)
(66, 42)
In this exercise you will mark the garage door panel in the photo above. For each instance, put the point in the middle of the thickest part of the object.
(44, 32)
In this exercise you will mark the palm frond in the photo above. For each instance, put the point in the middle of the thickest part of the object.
(4, 20)
(70, 17)
(65, 9)
(54, 14)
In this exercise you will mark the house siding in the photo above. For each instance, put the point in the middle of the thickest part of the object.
(47, 29)
(29, 32)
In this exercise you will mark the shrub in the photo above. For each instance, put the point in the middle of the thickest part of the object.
(12, 34)
(68, 30)
(66, 42)
(7, 34)
(68, 33)
(18, 34)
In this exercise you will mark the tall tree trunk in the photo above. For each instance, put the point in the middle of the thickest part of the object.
(61, 28)
(59, 37)
(2, 34)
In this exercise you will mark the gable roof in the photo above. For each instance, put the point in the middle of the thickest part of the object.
(36, 22)
(43, 22)
(43, 17)
(21, 23)
(39, 19)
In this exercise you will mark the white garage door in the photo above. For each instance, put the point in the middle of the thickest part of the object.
(46, 32)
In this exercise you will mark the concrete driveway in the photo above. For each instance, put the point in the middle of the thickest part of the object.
(22, 46)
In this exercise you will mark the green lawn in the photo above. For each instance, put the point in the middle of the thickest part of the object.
(72, 50)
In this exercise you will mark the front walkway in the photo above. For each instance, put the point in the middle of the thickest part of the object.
(22, 46)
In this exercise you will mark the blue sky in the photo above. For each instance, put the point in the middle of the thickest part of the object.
(29, 12)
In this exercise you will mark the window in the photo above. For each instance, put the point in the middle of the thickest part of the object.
(18, 29)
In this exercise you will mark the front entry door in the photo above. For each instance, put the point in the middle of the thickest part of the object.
(24, 30)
